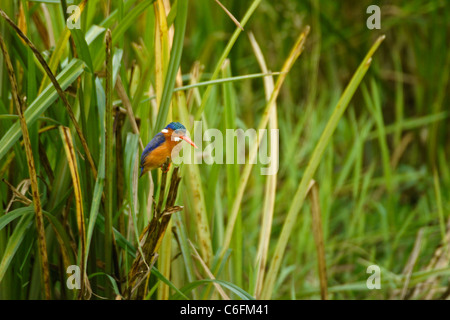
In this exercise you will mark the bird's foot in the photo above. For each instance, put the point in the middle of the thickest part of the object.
(168, 167)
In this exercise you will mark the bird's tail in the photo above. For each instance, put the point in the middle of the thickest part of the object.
(142, 172)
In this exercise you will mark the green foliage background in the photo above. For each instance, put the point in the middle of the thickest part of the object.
(382, 173)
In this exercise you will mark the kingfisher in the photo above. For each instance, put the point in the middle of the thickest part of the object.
(160, 147)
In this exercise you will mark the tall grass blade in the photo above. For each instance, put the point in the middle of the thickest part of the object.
(109, 139)
(58, 90)
(13, 215)
(319, 240)
(60, 47)
(43, 257)
(294, 54)
(239, 292)
(232, 175)
(73, 69)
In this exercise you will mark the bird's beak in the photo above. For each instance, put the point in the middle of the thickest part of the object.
(189, 141)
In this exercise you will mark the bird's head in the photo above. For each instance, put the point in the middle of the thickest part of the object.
(176, 132)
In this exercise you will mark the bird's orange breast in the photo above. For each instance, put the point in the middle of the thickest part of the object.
(158, 156)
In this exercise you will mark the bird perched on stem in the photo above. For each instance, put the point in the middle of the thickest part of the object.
(161, 146)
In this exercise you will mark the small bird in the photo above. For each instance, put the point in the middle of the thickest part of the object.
(160, 147)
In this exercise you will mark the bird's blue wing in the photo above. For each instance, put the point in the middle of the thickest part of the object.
(152, 145)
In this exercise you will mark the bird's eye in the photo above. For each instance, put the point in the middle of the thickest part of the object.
(180, 132)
